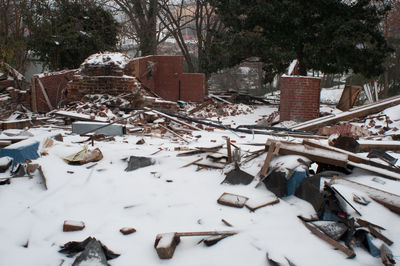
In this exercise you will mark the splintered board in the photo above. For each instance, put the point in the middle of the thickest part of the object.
(232, 200)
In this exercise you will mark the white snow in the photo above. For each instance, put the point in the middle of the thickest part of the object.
(74, 223)
(331, 95)
(107, 58)
(106, 198)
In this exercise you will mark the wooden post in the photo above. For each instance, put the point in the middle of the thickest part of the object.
(268, 159)
(44, 94)
(33, 95)
(350, 253)
(228, 147)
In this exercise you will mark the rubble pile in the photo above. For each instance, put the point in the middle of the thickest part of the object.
(212, 108)
(126, 166)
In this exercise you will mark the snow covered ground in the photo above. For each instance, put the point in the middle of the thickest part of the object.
(166, 198)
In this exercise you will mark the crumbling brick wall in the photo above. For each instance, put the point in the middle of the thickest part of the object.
(82, 85)
(164, 76)
(300, 98)
(107, 70)
(55, 84)
(9, 103)
(103, 73)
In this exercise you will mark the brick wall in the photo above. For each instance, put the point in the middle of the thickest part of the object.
(192, 87)
(300, 98)
(164, 76)
(55, 84)
(112, 85)
(107, 70)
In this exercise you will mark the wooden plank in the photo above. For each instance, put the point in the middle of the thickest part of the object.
(43, 177)
(226, 223)
(173, 119)
(314, 154)
(6, 83)
(79, 117)
(219, 98)
(189, 164)
(348, 97)
(365, 223)
(229, 149)
(367, 146)
(350, 253)
(46, 97)
(209, 166)
(262, 205)
(380, 236)
(355, 158)
(268, 159)
(174, 133)
(207, 233)
(33, 96)
(362, 111)
(4, 143)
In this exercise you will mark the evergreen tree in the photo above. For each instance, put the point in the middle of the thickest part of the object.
(331, 36)
(67, 32)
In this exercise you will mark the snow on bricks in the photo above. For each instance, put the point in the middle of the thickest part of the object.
(127, 230)
(70, 226)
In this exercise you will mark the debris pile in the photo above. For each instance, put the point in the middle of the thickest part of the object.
(122, 163)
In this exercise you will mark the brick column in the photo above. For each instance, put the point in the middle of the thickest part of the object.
(299, 98)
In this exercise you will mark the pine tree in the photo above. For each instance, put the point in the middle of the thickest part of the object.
(67, 32)
(331, 36)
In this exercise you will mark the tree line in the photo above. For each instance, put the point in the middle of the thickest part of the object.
(331, 36)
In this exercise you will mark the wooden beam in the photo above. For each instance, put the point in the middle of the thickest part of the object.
(46, 97)
(350, 253)
(174, 133)
(33, 95)
(268, 159)
(376, 167)
(365, 223)
(262, 205)
(380, 236)
(191, 163)
(229, 150)
(209, 166)
(314, 154)
(173, 119)
(367, 146)
(357, 112)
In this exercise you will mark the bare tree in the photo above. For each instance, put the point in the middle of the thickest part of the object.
(176, 16)
(199, 17)
(13, 32)
(140, 23)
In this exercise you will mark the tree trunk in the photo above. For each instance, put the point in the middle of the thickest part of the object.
(386, 83)
(302, 68)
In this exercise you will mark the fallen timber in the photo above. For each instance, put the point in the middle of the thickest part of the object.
(356, 112)
(288, 132)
